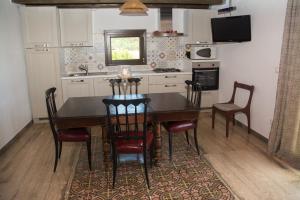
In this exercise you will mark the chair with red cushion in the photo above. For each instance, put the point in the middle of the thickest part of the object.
(65, 135)
(127, 127)
(174, 127)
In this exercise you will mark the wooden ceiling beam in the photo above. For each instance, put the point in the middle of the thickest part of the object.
(116, 3)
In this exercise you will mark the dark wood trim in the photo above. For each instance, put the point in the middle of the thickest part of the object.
(178, 3)
(141, 33)
(15, 138)
(256, 134)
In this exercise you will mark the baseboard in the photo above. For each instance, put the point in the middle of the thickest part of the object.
(256, 134)
(17, 136)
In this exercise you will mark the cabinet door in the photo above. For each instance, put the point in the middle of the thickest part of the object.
(77, 88)
(43, 73)
(40, 26)
(76, 27)
(199, 25)
(208, 98)
(102, 87)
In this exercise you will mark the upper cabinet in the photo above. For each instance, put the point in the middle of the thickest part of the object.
(40, 27)
(198, 25)
(76, 26)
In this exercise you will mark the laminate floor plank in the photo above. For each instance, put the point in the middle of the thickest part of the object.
(26, 168)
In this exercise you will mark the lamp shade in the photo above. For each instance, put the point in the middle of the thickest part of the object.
(133, 8)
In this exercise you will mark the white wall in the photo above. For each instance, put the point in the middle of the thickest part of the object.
(14, 101)
(255, 62)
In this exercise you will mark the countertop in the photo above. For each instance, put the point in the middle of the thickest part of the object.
(134, 74)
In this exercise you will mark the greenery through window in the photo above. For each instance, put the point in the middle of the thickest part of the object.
(125, 47)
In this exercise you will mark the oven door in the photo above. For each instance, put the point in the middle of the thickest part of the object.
(207, 77)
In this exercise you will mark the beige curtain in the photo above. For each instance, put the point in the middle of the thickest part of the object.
(284, 141)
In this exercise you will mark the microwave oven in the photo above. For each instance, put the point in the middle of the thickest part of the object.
(203, 52)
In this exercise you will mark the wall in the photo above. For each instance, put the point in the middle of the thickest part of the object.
(161, 51)
(14, 102)
(255, 62)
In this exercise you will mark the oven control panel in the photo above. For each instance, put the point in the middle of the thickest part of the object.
(206, 64)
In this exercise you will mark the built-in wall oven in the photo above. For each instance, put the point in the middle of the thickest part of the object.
(207, 74)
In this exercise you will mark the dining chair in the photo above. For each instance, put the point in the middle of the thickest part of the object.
(65, 135)
(116, 85)
(229, 109)
(131, 135)
(194, 96)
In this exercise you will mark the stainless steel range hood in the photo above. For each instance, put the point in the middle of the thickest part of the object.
(166, 26)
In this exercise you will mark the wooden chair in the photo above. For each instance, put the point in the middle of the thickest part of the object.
(194, 96)
(65, 135)
(117, 83)
(229, 109)
(129, 137)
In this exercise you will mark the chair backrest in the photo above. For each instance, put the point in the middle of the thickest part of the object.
(250, 88)
(194, 92)
(124, 117)
(116, 85)
(51, 109)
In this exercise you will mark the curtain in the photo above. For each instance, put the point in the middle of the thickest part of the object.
(284, 141)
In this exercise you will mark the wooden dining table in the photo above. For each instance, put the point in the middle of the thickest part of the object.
(91, 111)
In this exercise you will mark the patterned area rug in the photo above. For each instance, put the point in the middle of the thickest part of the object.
(188, 176)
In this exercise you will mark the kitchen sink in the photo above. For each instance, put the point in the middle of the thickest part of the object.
(89, 74)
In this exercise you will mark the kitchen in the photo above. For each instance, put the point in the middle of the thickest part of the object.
(66, 47)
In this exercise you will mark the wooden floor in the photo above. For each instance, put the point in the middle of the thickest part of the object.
(26, 167)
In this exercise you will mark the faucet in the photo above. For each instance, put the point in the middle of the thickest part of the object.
(84, 68)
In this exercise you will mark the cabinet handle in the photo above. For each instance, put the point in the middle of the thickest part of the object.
(170, 85)
(77, 81)
(170, 76)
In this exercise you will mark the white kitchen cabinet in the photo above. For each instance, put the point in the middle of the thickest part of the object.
(102, 87)
(208, 98)
(40, 27)
(43, 73)
(198, 25)
(78, 87)
(168, 83)
(76, 26)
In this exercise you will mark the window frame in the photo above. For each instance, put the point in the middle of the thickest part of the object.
(141, 33)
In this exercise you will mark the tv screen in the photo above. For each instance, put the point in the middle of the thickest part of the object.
(231, 29)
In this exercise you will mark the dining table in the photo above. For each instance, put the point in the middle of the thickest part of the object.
(90, 111)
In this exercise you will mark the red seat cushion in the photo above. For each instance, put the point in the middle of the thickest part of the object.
(74, 135)
(179, 126)
(132, 145)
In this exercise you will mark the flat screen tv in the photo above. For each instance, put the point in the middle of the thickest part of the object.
(231, 29)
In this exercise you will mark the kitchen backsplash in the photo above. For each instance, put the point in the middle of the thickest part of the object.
(161, 52)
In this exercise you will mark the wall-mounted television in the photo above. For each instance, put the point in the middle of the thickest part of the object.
(231, 29)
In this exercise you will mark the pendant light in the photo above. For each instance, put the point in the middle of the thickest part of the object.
(133, 8)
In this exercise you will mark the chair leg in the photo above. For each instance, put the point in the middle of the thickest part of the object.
(170, 145)
(227, 126)
(56, 155)
(89, 150)
(114, 167)
(249, 122)
(213, 118)
(60, 149)
(187, 137)
(233, 120)
(145, 167)
(196, 140)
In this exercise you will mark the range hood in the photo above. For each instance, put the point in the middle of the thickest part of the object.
(166, 26)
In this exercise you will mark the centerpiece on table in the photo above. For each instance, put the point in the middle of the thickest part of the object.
(124, 75)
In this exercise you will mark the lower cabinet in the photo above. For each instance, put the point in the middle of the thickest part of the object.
(208, 98)
(102, 87)
(78, 87)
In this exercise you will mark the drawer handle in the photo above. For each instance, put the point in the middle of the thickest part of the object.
(170, 76)
(77, 81)
(170, 85)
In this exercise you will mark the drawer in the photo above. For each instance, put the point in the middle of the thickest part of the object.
(165, 88)
(170, 78)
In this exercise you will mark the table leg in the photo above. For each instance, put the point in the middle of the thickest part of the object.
(158, 146)
(105, 145)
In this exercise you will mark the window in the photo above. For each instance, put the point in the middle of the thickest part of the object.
(125, 47)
